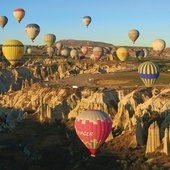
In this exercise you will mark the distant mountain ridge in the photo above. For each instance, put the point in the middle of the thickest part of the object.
(72, 42)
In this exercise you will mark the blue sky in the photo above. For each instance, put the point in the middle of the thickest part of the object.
(111, 20)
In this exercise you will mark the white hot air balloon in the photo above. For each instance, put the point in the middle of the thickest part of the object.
(74, 54)
(50, 51)
(29, 50)
(59, 45)
(65, 52)
(158, 45)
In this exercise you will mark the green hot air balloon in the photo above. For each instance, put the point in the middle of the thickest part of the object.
(49, 39)
(148, 72)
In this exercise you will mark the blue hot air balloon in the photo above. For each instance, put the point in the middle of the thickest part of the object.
(148, 72)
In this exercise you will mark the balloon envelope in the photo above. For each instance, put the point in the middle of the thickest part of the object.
(140, 54)
(97, 52)
(13, 50)
(158, 45)
(84, 50)
(65, 52)
(93, 128)
(59, 45)
(86, 20)
(29, 50)
(148, 72)
(74, 53)
(49, 39)
(19, 14)
(3, 21)
(50, 51)
(133, 35)
(32, 30)
(122, 53)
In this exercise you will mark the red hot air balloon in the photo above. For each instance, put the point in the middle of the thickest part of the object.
(93, 128)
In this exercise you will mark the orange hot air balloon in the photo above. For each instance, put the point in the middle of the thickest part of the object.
(93, 128)
(19, 14)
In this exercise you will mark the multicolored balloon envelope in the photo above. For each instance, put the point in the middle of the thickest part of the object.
(86, 20)
(13, 50)
(140, 54)
(148, 72)
(3, 21)
(19, 14)
(32, 30)
(93, 128)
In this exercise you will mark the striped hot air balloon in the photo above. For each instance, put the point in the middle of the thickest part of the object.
(148, 72)
(3, 21)
(32, 30)
(13, 50)
(19, 14)
(49, 39)
(93, 128)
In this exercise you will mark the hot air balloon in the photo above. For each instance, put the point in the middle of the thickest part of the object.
(32, 30)
(145, 52)
(140, 54)
(97, 52)
(93, 128)
(158, 45)
(50, 51)
(59, 45)
(65, 52)
(3, 21)
(122, 53)
(74, 54)
(84, 50)
(13, 50)
(133, 35)
(148, 72)
(19, 14)
(86, 20)
(29, 50)
(49, 39)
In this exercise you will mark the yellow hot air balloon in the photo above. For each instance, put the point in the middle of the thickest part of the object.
(49, 39)
(133, 35)
(13, 50)
(122, 53)
(19, 14)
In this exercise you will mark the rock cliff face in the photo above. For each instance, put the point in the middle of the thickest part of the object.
(131, 110)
